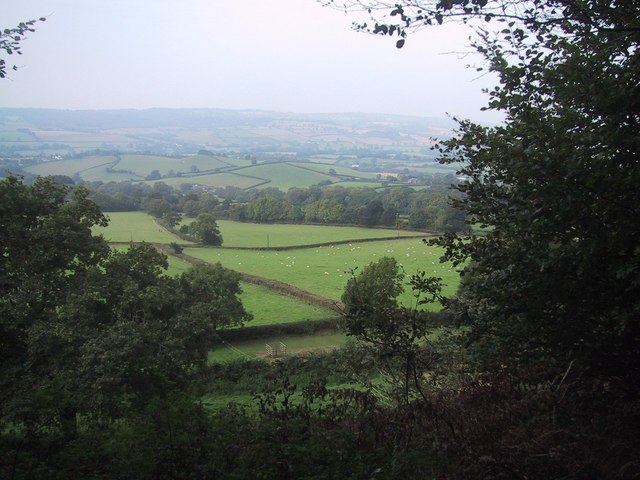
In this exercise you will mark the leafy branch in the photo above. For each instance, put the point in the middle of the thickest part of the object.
(10, 39)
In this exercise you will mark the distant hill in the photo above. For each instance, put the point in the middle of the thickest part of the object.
(180, 131)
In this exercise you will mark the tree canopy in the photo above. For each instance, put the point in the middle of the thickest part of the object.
(90, 332)
(555, 275)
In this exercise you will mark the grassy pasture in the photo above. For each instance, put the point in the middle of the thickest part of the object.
(350, 184)
(324, 168)
(271, 308)
(295, 344)
(221, 179)
(325, 270)
(100, 173)
(71, 166)
(284, 175)
(134, 226)
(203, 162)
(142, 165)
(254, 235)
(11, 136)
(267, 306)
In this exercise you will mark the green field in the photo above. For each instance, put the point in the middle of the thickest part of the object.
(222, 179)
(266, 306)
(136, 227)
(13, 136)
(294, 344)
(257, 235)
(284, 175)
(339, 170)
(142, 165)
(325, 270)
(271, 308)
(353, 184)
(71, 166)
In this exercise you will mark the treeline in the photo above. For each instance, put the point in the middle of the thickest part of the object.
(401, 206)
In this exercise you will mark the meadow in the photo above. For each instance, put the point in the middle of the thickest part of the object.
(215, 180)
(71, 166)
(267, 306)
(258, 235)
(134, 227)
(339, 170)
(325, 270)
(142, 165)
(248, 349)
(320, 270)
(284, 175)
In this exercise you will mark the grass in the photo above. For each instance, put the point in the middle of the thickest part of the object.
(294, 343)
(255, 235)
(270, 308)
(339, 170)
(266, 306)
(142, 165)
(284, 175)
(222, 179)
(70, 167)
(13, 136)
(136, 227)
(325, 270)
(351, 184)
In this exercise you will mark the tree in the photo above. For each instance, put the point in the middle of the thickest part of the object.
(395, 334)
(205, 229)
(213, 294)
(154, 175)
(91, 333)
(555, 277)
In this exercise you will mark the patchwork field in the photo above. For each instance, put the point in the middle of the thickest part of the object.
(322, 270)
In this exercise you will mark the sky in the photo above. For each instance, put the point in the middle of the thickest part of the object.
(280, 55)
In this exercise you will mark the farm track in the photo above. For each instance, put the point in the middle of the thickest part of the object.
(265, 282)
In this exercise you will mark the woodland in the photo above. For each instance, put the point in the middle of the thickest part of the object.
(529, 371)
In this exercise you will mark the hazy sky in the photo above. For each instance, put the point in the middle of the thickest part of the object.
(282, 55)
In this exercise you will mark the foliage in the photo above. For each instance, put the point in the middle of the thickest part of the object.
(553, 280)
(205, 229)
(425, 209)
(10, 39)
(396, 335)
(556, 276)
(90, 335)
(213, 295)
